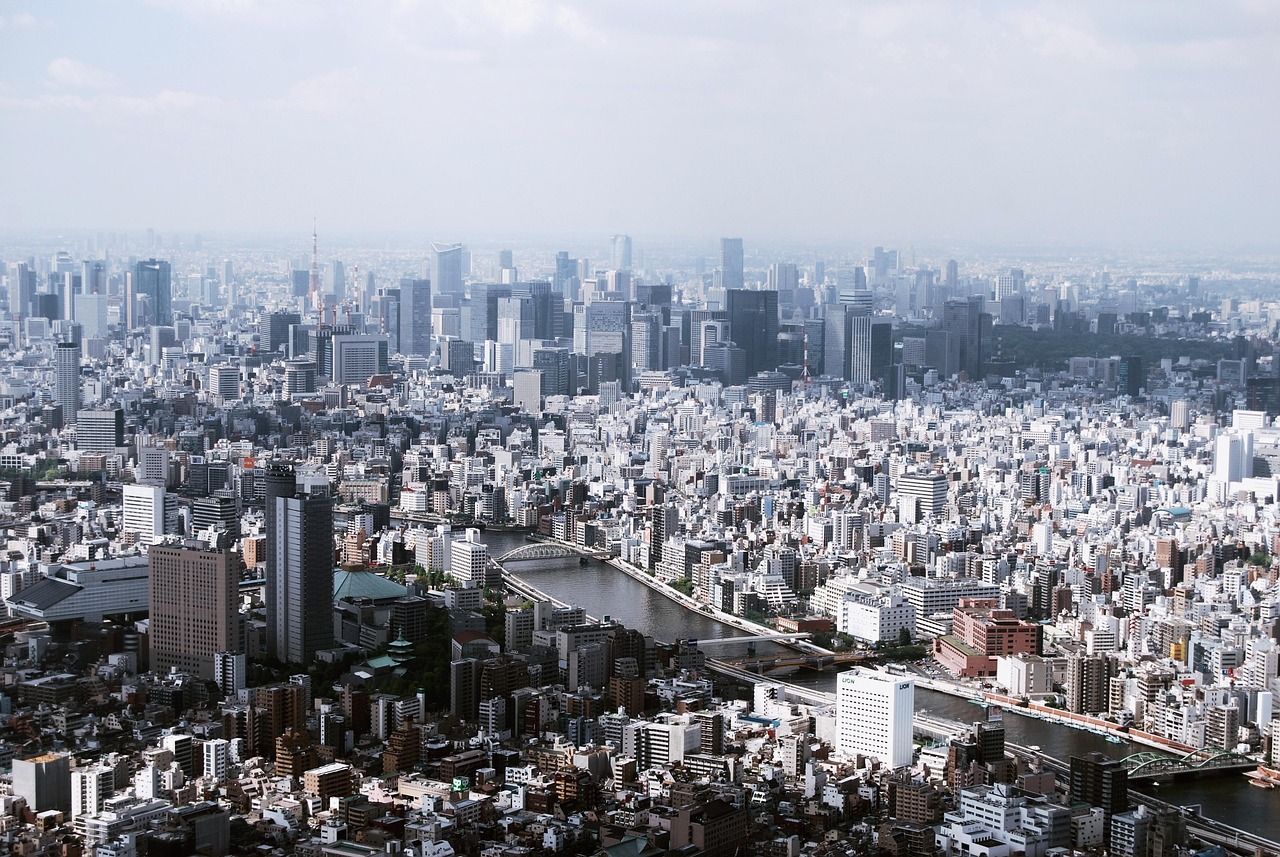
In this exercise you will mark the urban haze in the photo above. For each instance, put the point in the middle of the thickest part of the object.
(517, 428)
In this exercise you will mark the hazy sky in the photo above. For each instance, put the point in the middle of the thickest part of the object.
(867, 121)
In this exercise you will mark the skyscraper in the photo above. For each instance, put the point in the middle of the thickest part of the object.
(152, 280)
(970, 329)
(67, 394)
(622, 252)
(415, 316)
(446, 268)
(874, 712)
(299, 618)
(731, 262)
(753, 326)
(194, 595)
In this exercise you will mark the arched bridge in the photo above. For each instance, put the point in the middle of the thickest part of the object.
(1150, 763)
(544, 550)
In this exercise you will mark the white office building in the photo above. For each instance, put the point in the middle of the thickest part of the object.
(874, 715)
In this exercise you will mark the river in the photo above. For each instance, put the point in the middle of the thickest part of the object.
(604, 591)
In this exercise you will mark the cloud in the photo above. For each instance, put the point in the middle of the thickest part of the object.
(22, 21)
(329, 94)
(65, 71)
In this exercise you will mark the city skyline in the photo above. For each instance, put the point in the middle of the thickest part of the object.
(969, 123)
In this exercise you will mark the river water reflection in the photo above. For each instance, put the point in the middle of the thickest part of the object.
(604, 591)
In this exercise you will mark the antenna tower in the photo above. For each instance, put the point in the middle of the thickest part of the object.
(315, 273)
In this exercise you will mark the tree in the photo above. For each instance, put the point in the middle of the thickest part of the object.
(904, 637)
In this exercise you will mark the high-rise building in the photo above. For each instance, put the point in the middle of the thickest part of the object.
(927, 491)
(622, 252)
(446, 268)
(273, 329)
(753, 325)
(194, 593)
(356, 357)
(44, 781)
(731, 263)
(1098, 780)
(874, 712)
(144, 512)
(91, 786)
(300, 617)
(99, 430)
(151, 280)
(67, 393)
(415, 316)
(970, 331)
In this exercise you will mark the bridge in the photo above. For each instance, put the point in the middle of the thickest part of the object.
(796, 661)
(1150, 764)
(1206, 830)
(545, 550)
(745, 638)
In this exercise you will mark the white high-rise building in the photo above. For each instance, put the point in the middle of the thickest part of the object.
(469, 561)
(67, 387)
(144, 512)
(874, 715)
(89, 788)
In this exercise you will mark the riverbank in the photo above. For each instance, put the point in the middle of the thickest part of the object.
(1085, 722)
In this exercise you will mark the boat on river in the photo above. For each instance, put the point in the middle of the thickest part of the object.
(1264, 778)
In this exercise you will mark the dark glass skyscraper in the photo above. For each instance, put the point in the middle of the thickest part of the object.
(152, 279)
(753, 326)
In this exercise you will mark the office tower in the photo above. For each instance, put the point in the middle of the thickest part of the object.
(952, 277)
(548, 311)
(926, 492)
(224, 380)
(415, 316)
(970, 329)
(783, 277)
(457, 356)
(336, 277)
(152, 282)
(860, 348)
(646, 341)
(99, 430)
(44, 781)
(446, 268)
(837, 341)
(566, 274)
(622, 252)
(881, 349)
(480, 311)
(67, 393)
(194, 593)
(753, 325)
(603, 327)
(218, 511)
(1180, 414)
(528, 390)
(23, 280)
(1132, 376)
(299, 377)
(874, 713)
(229, 672)
(143, 512)
(516, 319)
(731, 263)
(301, 600)
(469, 562)
(556, 368)
(273, 330)
(356, 357)
(1097, 780)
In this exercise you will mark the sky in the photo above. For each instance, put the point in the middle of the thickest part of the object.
(1108, 122)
